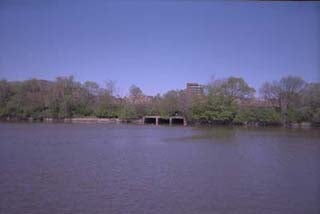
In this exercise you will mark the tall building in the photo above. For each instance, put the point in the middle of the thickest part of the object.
(194, 89)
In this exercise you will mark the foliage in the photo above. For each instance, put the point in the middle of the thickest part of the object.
(262, 116)
(287, 95)
(216, 109)
(233, 88)
(316, 116)
(289, 100)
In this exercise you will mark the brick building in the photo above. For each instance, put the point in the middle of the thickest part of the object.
(194, 89)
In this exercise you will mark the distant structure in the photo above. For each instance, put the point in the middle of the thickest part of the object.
(141, 99)
(194, 89)
(158, 120)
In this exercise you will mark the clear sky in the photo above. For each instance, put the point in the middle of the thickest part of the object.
(159, 45)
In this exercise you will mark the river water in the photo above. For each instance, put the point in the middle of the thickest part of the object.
(99, 168)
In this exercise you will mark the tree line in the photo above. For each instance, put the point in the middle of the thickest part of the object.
(226, 101)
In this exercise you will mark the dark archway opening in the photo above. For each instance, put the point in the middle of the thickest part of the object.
(163, 121)
(177, 121)
(150, 120)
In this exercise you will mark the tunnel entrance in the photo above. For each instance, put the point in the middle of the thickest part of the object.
(150, 120)
(163, 121)
(158, 120)
(177, 121)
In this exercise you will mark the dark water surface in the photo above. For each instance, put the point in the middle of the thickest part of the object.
(98, 168)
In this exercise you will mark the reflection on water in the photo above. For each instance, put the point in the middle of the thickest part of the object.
(218, 133)
(98, 168)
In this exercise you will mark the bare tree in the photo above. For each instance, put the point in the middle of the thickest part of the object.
(286, 92)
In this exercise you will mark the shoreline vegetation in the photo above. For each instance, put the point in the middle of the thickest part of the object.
(74, 120)
(95, 120)
(290, 102)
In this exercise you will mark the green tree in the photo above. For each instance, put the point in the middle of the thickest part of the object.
(107, 105)
(233, 88)
(215, 109)
(219, 105)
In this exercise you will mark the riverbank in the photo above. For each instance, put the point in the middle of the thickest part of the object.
(303, 125)
(75, 120)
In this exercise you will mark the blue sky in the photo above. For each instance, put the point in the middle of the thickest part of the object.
(159, 45)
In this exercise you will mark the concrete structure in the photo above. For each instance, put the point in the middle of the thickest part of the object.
(158, 120)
